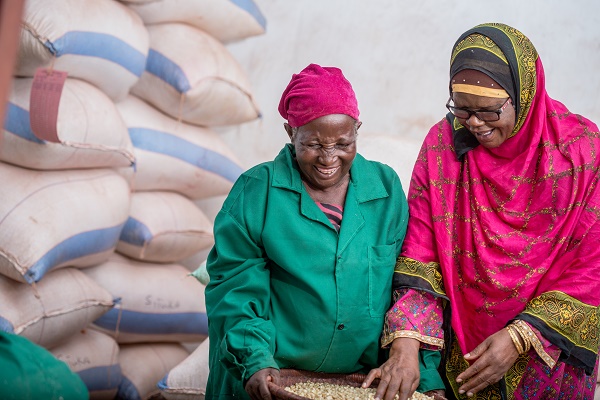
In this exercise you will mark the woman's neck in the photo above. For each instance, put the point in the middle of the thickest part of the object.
(332, 195)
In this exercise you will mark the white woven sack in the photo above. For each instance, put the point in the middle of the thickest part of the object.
(201, 273)
(226, 20)
(158, 302)
(192, 76)
(100, 41)
(90, 128)
(143, 366)
(53, 310)
(176, 156)
(187, 381)
(53, 219)
(94, 356)
(164, 227)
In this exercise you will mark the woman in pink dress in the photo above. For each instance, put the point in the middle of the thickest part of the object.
(500, 268)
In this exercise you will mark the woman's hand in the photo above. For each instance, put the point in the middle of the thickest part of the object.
(257, 386)
(400, 373)
(439, 394)
(493, 357)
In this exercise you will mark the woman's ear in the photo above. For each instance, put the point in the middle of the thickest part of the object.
(289, 130)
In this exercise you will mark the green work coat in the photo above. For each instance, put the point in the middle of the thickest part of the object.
(286, 290)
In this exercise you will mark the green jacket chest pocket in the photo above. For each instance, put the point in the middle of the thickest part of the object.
(381, 269)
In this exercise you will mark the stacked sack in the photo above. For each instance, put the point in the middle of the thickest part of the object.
(107, 155)
(191, 83)
(63, 205)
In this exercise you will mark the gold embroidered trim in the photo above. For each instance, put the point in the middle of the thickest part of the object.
(388, 339)
(525, 329)
(430, 272)
(569, 317)
(477, 40)
(526, 58)
(515, 374)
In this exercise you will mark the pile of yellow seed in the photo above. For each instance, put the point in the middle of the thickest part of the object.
(330, 391)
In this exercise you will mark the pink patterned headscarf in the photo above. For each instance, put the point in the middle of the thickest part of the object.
(317, 91)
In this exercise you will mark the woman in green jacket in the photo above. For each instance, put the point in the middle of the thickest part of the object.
(305, 247)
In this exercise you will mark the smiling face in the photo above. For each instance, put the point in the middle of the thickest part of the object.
(325, 150)
(488, 134)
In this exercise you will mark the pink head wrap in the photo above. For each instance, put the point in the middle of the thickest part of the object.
(317, 91)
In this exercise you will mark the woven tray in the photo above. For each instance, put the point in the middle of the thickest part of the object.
(289, 377)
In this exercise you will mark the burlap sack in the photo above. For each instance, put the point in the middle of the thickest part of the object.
(176, 156)
(53, 310)
(94, 356)
(91, 131)
(193, 77)
(53, 219)
(187, 381)
(100, 41)
(158, 302)
(144, 365)
(164, 227)
(226, 20)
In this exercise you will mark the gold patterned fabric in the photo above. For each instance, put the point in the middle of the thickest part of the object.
(566, 319)
(411, 273)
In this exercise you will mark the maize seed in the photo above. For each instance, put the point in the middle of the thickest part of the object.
(330, 391)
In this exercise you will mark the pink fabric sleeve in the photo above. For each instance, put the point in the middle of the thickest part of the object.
(416, 314)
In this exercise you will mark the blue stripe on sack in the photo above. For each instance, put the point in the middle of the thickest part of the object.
(101, 378)
(135, 232)
(80, 245)
(6, 326)
(168, 71)
(99, 45)
(201, 157)
(252, 9)
(17, 123)
(194, 323)
(127, 390)
(164, 382)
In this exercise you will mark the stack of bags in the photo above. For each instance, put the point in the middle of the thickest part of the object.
(106, 155)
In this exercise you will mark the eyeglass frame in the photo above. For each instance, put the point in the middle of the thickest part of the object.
(470, 113)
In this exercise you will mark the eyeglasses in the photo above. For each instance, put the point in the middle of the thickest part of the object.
(482, 115)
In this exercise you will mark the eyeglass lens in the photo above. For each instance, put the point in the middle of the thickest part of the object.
(481, 115)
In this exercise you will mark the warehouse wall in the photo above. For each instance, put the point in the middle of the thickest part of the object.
(396, 54)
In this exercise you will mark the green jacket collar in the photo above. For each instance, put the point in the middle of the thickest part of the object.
(363, 176)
